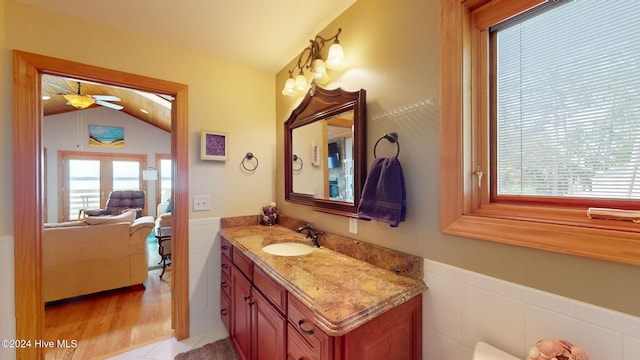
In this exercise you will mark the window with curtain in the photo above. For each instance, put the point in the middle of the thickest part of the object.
(566, 102)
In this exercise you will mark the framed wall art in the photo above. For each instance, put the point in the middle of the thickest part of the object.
(106, 136)
(213, 145)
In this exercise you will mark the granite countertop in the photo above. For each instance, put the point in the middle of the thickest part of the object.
(342, 292)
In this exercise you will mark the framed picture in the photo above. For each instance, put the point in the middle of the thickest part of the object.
(106, 136)
(213, 145)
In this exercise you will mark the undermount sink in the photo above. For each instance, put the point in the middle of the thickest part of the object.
(288, 249)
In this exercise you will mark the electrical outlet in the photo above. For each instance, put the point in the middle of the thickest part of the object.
(353, 225)
(201, 203)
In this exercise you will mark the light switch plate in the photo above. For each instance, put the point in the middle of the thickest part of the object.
(353, 225)
(201, 202)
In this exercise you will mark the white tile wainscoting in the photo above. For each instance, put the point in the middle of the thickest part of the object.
(204, 278)
(462, 307)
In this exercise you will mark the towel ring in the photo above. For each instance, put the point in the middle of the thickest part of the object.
(297, 158)
(393, 138)
(249, 156)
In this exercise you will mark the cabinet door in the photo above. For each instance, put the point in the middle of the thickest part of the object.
(394, 335)
(241, 313)
(269, 330)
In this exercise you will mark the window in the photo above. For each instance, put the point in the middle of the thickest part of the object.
(494, 191)
(126, 175)
(88, 178)
(83, 191)
(163, 162)
(567, 103)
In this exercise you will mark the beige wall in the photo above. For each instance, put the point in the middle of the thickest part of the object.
(392, 49)
(223, 96)
(5, 127)
(218, 95)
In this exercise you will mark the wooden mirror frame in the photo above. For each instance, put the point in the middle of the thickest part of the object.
(319, 104)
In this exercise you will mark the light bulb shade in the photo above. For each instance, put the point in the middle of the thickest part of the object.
(79, 101)
(301, 83)
(335, 58)
(289, 87)
(319, 70)
(323, 80)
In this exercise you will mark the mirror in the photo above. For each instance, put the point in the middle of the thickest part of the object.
(325, 150)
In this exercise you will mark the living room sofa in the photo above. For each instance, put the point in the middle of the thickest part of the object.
(98, 254)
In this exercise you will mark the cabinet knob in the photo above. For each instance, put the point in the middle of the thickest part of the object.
(224, 312)
(224, 284)
(224, 247)
(224, 266)
(247, 298)
(304, 331)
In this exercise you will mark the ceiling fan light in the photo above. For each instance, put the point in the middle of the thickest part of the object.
(79, 101)
(335, 58)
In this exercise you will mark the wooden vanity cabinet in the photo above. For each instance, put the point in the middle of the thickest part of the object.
(268, 323)
(258, 327)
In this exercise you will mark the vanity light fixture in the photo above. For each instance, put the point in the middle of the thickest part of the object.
(314, 63)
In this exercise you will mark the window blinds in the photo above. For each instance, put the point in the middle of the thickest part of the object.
(568, 102)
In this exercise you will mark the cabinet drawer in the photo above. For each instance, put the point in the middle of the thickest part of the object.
(225, 266)
(225, 284)
(298, 348)
(243, 263)
(225, 247)
(225, 311)
(300, 320)
(270, 289)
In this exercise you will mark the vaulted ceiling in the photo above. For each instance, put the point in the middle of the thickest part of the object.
(150, 108)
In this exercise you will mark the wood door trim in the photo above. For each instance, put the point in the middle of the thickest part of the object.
(28, 191)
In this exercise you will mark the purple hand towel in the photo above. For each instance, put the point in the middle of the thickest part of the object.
(384, 196)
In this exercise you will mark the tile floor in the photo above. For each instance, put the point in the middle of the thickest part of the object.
(166, 349)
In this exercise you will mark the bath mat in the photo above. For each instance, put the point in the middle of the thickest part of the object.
(219, 350)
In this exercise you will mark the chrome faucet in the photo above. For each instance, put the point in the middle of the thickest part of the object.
(311, 234)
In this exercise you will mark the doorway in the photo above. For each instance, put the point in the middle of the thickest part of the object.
(29, 194)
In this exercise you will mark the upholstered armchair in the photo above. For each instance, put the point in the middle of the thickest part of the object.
(120, 201)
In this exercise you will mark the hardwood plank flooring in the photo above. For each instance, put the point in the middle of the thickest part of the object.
(111, 321)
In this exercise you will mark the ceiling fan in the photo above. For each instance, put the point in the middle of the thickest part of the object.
(82, 101)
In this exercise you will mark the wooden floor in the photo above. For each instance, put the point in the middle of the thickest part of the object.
(111, 321)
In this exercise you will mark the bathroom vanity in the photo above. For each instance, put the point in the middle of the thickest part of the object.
(321, 305)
